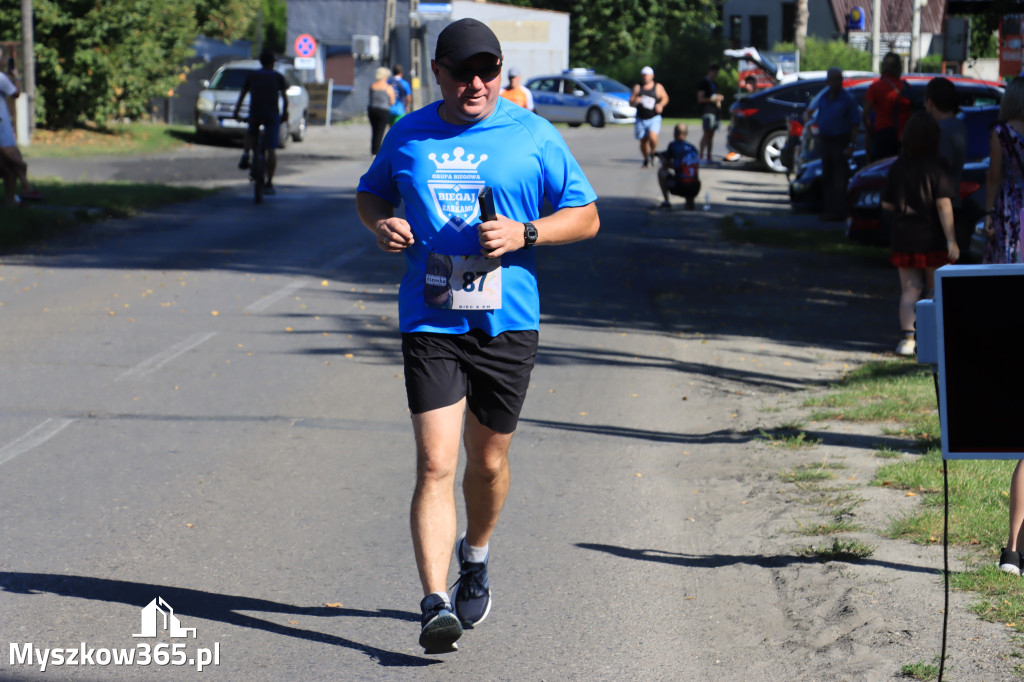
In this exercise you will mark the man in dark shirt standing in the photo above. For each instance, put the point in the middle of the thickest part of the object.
(710, 103)
(265, 87)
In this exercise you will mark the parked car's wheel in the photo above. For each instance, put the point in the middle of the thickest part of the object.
(770, 154)
(595, 117)
(282, 135)
(300, 132)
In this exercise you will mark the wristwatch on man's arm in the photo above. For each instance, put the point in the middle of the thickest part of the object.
(529, 235)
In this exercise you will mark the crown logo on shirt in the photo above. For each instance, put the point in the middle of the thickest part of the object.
(457, 163)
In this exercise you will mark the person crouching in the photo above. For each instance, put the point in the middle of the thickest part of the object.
(678, 172)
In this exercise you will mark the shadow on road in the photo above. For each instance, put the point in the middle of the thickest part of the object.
(722, 560)
(223, 608)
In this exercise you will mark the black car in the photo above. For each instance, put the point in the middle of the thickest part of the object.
(758, 126)
(866, 226)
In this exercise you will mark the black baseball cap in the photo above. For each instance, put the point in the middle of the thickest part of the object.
(464, 38)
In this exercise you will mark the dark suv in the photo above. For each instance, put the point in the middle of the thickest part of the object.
(758, 126)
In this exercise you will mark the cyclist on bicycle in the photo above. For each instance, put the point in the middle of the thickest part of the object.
(265, 87)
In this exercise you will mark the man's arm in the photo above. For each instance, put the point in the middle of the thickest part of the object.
(12, 79)
(241, 97)
(394, 235)
(634, 97)
(702, 97)
(283, 88)
(567, 225)
(662, 99)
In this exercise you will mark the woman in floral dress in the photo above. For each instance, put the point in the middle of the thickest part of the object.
(1004, 194)
(1004, 200)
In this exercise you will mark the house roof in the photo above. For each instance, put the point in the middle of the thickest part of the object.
(896, 15)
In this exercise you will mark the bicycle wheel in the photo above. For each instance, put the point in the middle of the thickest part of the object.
(259, 170)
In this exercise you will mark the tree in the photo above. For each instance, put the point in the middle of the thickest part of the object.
(618, 37)
(604, 31)
(800, 25)
(102, 61)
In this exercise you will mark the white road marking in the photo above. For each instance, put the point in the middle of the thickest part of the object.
(34, 438)
(344, 259)
(154, 363)
(269, 300)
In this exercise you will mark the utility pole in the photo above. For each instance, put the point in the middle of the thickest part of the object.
(876, 32)
(915, 34)
(28, 61)
(386, 48)
(416, 65)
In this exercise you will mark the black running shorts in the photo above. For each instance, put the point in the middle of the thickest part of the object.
(492, 373)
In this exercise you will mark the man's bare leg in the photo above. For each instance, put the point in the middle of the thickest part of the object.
(486, 482)
(432, 516)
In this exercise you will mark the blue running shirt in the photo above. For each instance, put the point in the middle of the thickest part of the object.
(438, 170)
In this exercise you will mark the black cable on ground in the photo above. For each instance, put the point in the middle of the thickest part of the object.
(945, 547)
(945, 565)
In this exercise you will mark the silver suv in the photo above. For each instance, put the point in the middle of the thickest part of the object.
(215, 104)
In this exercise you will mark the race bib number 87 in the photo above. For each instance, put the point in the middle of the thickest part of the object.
(463, 282)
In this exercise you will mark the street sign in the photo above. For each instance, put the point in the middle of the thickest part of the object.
(305, 45)
(305, 63)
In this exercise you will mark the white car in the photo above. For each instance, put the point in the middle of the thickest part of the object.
(215, 105)
(578, 96)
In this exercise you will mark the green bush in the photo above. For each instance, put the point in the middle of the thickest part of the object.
(821, 55)
(930, 64)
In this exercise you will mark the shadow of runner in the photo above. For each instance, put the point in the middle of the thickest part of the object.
(720, 560)
(216, 607)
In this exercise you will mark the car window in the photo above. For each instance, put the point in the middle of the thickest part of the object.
(571, 86)
(545, 85)
(230, 79)
(606, 85)
(976, 96)
(798, 94)
(290, 77)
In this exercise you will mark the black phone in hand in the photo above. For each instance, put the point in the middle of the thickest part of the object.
(486, 199)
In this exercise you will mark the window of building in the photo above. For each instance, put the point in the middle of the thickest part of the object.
(735, 31)
(759, 31)
(789, 22)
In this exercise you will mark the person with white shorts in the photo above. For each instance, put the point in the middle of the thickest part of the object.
(650, 99)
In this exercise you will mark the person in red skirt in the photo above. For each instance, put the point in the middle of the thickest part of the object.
(917, 202)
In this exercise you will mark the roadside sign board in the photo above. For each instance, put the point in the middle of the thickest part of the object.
(305, 45)
(319, 102)
(305, 62)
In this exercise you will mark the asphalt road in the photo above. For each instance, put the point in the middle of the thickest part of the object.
(205, 405)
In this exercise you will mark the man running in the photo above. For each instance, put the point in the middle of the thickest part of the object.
(650, 99)
(468, 305)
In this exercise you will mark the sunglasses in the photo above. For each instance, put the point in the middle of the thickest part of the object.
(466, 74)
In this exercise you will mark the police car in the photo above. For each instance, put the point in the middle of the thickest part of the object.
(578, 96)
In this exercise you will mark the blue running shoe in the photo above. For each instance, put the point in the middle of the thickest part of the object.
(472, 600)
(440, 628)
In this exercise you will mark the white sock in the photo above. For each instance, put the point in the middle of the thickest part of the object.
(442, 595)
(474, 555)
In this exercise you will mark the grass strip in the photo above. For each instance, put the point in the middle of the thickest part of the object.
(134, 138)
(903, 393)
(832, 240)
(69, 205)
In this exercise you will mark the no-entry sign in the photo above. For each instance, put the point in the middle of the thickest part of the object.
(305, 45)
